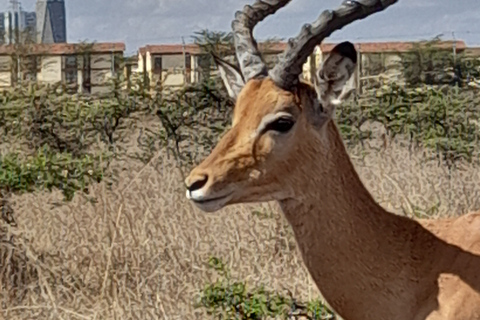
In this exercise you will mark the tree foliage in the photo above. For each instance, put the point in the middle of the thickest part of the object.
(426, 64)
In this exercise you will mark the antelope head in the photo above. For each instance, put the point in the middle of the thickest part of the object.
(277, 117)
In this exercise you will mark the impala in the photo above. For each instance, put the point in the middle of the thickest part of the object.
(283, 145)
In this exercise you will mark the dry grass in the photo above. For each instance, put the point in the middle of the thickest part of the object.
(140, 252)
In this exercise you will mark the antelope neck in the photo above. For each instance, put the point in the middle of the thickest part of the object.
(359, 255)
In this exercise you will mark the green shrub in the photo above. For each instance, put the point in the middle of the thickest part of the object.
(47, 170)
(425, 64)
(192, 120)
(61, 140)
(444, 119)
(230, 299)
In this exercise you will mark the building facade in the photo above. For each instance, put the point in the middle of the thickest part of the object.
(176, 65)
(171, 65)
(51, 21)
(82, 69)
(381, 62)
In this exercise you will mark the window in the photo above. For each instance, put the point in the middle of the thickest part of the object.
(86, 85)
(188, 68)
(188, 61)
(157, 64)
(70, 72)
(71, 76)
(70, 62)
(117, 63)
(30, 66)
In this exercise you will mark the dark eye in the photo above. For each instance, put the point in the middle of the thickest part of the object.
(280, 125)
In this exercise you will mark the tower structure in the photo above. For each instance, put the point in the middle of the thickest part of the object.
(51, 21)
(17, 25)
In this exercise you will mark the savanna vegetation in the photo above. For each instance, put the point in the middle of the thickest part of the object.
(95, 224)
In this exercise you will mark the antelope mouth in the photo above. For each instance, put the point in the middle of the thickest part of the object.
(202, 201)
(210, 204)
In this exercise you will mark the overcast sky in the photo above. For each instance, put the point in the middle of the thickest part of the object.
(140, 22)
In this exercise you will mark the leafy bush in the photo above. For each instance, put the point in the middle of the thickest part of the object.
(425, 64)
(48, 170)
(192, 120)
(445, 119)
(55, 132)
(229, 299)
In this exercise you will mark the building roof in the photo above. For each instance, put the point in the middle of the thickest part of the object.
(171, 49)
(396, 46)
(273, 47)
(64, 48)
(277, 47)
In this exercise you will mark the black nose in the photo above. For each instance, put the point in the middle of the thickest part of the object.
(198, 184)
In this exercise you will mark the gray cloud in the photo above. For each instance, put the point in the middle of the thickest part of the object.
(140, 22)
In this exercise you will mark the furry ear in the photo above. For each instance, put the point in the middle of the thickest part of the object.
(334, 73)
(231, 76)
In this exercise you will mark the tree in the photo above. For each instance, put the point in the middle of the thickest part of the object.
(428, 63)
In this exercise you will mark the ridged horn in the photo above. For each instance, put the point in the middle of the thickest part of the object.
(286, 73)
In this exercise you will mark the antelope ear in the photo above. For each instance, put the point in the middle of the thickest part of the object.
(334, 73)
(231, 76)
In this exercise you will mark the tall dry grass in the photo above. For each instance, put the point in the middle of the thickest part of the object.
(140, 251)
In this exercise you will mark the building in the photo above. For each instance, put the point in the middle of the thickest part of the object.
(82, 68)
(31, 26)
(51, 21)
(18, 26)
(381, 61)
(176, 65)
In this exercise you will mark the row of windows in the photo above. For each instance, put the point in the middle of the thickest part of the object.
(68, 62)
(30, 66)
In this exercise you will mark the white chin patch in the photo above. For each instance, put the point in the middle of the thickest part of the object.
(336, 102)
(197, 195)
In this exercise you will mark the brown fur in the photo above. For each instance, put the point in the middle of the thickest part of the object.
(367, 262)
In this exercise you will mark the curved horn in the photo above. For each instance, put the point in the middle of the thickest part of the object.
(248, 55)
(286, 72)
